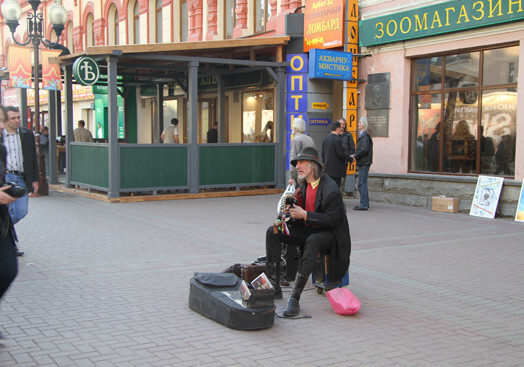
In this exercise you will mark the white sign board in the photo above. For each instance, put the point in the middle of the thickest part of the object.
(487, 194)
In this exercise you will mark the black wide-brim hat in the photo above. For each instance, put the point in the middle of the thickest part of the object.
(306, 154)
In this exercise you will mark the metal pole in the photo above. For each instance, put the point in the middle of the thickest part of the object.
(68, 101)
(192, 120)
(54, 110)
(113, 152)
(160, 111)
(221, 110)
(280, 114)
(36, 119)
(43, 187)
(23, 107)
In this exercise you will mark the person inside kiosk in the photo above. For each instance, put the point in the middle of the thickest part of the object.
(318, 225)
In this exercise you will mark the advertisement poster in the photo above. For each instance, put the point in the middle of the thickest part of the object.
(519, 217)
(324, 24)
(487, 194)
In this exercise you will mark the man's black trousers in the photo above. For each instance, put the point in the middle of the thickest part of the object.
(8, 263)
(310, 240)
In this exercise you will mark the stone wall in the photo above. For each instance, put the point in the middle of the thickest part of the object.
(418, 189)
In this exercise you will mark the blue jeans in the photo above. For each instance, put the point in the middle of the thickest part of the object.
(363, 172)
(18, 209)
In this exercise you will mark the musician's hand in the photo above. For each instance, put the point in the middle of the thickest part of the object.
(297, 212)
(6, 198)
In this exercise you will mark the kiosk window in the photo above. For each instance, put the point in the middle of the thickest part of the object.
(258, 117)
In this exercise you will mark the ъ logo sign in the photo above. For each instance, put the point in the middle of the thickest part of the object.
(86, 71)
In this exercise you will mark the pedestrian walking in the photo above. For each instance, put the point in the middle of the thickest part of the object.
(364, 157)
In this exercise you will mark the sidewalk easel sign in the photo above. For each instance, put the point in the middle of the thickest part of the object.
(519, 216)
(487, 194)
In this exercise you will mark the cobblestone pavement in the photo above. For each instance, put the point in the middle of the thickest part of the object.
(107, 285)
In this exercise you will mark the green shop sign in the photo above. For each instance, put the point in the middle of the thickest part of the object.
(447, 17)
(86, 71)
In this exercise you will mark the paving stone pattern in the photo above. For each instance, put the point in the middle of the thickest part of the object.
(107, 285)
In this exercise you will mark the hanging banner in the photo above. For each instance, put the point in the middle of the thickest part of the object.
(51, 79)
(19, 60)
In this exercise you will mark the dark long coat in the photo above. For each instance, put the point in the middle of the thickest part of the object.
(334, 156)
(330, 214)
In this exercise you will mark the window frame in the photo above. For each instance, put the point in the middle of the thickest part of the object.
(267, 15)
(226, 17)
(480, 90)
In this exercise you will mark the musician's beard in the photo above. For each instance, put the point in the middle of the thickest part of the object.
(301, 181)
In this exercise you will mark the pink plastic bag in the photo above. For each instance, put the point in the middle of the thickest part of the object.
(343, 301)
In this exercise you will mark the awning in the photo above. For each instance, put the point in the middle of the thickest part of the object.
(156, 63)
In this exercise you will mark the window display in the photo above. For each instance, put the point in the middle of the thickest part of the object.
(460, 122)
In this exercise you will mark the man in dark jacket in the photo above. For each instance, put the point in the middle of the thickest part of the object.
(8, 262)
(333, 153)
(212, 134)
(349, 147)
(22, 164)
(318, 224)
(364, 157)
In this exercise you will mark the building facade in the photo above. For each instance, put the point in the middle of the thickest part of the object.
(443, 95)
(119, 23)
(437, 79)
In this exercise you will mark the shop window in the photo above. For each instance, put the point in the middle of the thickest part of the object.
(500, 66)
(258, 117)
(499, 131)
(427, 74)
(229, 18)
(462, 70)
(465, 123)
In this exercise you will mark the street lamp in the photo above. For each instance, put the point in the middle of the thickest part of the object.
(12, 11)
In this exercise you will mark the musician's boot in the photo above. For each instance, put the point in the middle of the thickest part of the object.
(273, 274)
(293, 306)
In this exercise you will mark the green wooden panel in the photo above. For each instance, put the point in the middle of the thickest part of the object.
(89, 165)
(249, 163)
(153, 166)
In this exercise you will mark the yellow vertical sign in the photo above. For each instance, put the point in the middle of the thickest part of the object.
(352, 90)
